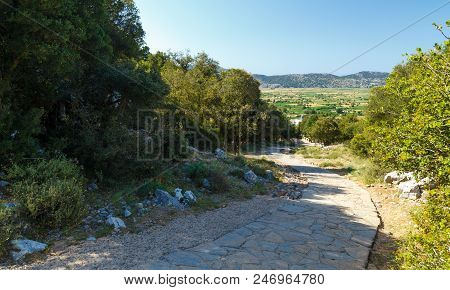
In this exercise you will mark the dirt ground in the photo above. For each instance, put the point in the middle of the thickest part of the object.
(395, 225)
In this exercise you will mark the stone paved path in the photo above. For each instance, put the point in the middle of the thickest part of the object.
(332, 227)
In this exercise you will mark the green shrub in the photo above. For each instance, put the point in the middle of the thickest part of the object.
(331, 164)
(259, 189)
(219, 182)
(427, 247)
(239, 173)
(50, 193)
(6, 229)
(197, 170)
(259, 166)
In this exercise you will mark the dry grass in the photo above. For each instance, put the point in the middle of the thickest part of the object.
(396, 224)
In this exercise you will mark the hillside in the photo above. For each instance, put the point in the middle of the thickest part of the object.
(363, 79)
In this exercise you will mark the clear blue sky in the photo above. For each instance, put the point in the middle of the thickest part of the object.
(292, 36)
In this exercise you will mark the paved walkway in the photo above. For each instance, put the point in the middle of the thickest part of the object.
(332, 227)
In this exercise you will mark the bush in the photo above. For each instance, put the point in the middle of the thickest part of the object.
(197, 170)
(50, 193)
(219, 182)
(325, 130)
(6, 229)
(427, 247)
(331, 164)
(239, 173)
(259, 166)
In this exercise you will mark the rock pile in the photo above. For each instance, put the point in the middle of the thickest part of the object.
(407, 184)
(292, 186)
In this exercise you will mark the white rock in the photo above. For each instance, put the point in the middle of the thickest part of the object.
(126, 213)
(116, 222)
(220, 153)
(410, 189)
(25, 247)
(190, 196)
(250, 177)
(91, 238)
(427, 182)
(178, 193)
(391, 177)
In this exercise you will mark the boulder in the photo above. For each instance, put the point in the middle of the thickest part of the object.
(410, 189)
(391, 177)
(190, 196)
(178, 194)
(206, 183)
(269, 175)
(140, 205)
(251, 177)
(221, 154)
(408, 176)
(396, 177)
(118, 223)
(24, 247)
(164, 199)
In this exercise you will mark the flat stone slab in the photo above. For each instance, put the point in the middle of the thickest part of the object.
(332, 227)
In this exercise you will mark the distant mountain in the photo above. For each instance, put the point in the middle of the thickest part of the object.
(364, 79)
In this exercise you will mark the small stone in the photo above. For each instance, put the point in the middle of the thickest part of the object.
(140, 205)
(116, 222)
(126, 213)
(91, 238)
(206, 183)
(250, 177)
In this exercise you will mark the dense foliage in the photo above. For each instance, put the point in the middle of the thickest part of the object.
(50, 193)
(409, 118)
(407, 127)
(329, 130)
(74, 77)
(427, 246)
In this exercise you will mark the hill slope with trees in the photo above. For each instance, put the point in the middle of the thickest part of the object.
(365, 79)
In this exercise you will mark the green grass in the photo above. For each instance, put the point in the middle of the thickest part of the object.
(301, 101)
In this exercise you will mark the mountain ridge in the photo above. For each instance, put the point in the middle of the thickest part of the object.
(363, 79)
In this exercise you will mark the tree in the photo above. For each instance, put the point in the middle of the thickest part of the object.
(325, 130)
